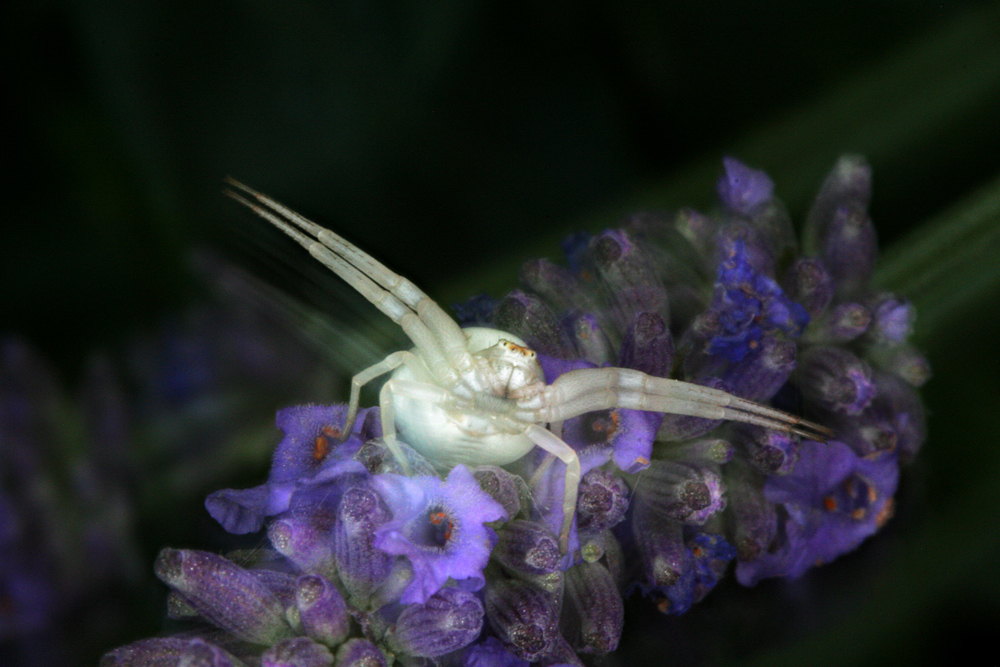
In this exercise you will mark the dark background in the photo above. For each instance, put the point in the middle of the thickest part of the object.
(453, 140)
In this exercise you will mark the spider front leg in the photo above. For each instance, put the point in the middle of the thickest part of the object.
(590, 389)
(554, 445)
(387, 365)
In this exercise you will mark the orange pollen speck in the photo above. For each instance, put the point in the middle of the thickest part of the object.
(858, 514)
(321, 447)
(830, 504)
(438, 518)
(331, 431)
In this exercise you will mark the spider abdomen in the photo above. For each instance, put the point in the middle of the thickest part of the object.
(465, 430)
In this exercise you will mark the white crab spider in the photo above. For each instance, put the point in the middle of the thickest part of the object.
(477, 396)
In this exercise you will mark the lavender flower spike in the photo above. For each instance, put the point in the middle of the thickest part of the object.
(377, 557)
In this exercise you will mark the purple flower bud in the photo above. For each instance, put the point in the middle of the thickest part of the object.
(698, 229)
(893, 421)
(225, 594)
(848, 184)
(297, 652)
(842, 324)
(681, 491)
(594, 613)
(360, 653)
(378, 459)
(558, 286)
(169, 652)
(305, 540)
(892, 318)
(360, 565)
(523, 618)
(676, 259)
(809, 283)
(628, 278)
(527, 547)
(849, 250)
(602, 501)
(702, 450)
(838, 227)
(648, 346)
(835, 380)
(505, 488)
(747, 242)
(743, 189)
(588, 335)
(759, 374)
(449, 620)
(660, 545)
(667, 565)
(282, 584)
(904, 361)
(771, 452)
(527, 316)
(322, 610)
(753, 521)
(490, 653)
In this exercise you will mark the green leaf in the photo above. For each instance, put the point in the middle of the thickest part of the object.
(948, 263)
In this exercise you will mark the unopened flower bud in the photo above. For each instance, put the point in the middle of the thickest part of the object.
(596, 613)
(322, 610)
(588, 336)
(753, 522)
(809, 283)
(360, 566)
(225, 594)
(842, 324)
(527, 547)
(835, 380)
(297, 652)
(527, 316)
(602, 501)
(504, 487)
(556, 285)
(628, 277)
(449, 620)
(648, 346)
(360, 653)
(771, 452)
(304, 540)
(681, 491)
(743, 189)
(524, 618)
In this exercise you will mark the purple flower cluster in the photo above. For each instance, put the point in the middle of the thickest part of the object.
(366, 565)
